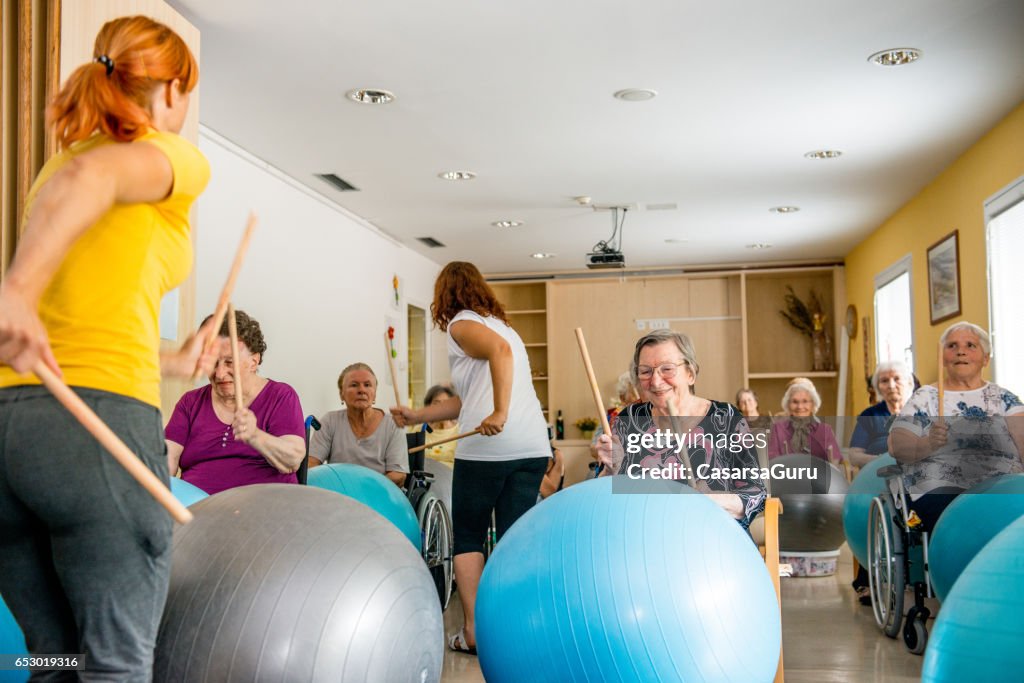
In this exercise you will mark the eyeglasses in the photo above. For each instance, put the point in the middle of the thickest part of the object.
(666, 370)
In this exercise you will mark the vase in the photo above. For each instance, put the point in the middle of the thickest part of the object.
(587, 434)
(821, 343)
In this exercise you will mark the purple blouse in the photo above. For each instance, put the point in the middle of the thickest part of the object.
(819, 439)
(213, 460)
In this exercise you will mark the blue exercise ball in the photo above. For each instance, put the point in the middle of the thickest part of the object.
(610, 580)
(979, 632)
(863, 489)
(971, 521)
(186, 493)
(372, 489)
(12, 642)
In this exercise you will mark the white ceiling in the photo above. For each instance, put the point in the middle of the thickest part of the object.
(521, 93)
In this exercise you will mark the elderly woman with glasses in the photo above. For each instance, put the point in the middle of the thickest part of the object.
(802, 431)
(894, 381)
(708, 436)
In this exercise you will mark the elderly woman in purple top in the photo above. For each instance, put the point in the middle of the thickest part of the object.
(801, 431)
(220, 445)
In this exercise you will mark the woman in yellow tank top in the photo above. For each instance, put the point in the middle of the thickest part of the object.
(84, 551)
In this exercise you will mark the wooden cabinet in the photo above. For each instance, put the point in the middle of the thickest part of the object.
(731, 316)
(526, 305)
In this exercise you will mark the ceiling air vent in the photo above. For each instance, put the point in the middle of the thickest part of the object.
(336, 182)
(430, 242)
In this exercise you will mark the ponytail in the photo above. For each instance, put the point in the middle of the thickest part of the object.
(132, 57)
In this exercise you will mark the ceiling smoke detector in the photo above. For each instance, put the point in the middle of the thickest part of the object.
(370, 96)
(635, 94)
(824, 154)
(456, 175)
(897, 56)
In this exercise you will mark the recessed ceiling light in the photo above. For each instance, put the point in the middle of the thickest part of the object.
(897, 56)
(676, 240)
(759, 245)
(507, 224)
(541, 255)
(370, 96)
(456, 175)
(784, 209)
(636, 94)
(824, 154)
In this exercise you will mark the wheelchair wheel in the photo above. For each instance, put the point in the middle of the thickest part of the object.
(438, 544)
(915, 632)
(886, 575)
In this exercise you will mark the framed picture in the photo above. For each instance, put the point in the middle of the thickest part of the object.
(944, 278)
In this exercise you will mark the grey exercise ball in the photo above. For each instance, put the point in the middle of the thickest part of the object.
(277, 582)
(812, 509)
(442, 485)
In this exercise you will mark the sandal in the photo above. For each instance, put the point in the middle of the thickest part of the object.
(457, 643)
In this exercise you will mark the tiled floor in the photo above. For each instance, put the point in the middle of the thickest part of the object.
(827, 636)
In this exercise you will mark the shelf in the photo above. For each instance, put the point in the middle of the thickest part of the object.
(536, 345)
(540, 378)
(790, 375)
(527, 311)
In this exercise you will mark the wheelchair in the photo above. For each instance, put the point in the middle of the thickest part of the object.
(898, 559)
(432, 511)
(437, 542)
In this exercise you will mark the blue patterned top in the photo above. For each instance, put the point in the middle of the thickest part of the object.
(979, 447)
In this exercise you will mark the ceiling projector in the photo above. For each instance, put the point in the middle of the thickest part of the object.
(606, 259)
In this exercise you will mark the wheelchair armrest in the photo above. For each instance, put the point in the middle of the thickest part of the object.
(890, 471)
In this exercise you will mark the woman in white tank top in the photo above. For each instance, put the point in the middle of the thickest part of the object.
(501, 469)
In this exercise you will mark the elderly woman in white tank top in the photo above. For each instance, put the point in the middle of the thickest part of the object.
(502, 468)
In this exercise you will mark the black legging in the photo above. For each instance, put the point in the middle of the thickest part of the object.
(508, 487)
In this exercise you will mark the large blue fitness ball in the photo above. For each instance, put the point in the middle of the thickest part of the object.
(12, 642)
(597, 585)
(372, 489)
(186, 493)
(971, 521)
(979, 633)
(865, 486)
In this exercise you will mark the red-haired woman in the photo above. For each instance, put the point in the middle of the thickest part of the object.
(84, 550)
(501, 470)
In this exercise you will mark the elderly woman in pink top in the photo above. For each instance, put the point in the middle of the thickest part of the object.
(220, 445)
(801, 431)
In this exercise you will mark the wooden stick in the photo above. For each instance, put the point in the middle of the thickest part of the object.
(942, 377)
(391, 367)
(593, 382)
(229, 286)
(424, 447)
(109, 440)
(236, 366)
(673, 418)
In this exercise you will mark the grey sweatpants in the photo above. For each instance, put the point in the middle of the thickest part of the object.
(84, 550)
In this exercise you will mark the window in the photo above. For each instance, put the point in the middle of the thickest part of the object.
(1004, 236)
(894, 315)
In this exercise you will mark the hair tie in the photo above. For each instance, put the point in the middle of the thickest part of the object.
(107, 62)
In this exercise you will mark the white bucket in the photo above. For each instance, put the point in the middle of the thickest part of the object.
(811, 564)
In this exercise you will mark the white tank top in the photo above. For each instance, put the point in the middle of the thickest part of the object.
(525, 432)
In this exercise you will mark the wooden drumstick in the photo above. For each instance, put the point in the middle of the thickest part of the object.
(942, 377)
(229, 287)
(683, 453)
(593, 381)
(236, 366)
(109, 440)
(424, 447)
(391, 367)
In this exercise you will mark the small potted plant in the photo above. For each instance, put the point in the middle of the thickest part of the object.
(586, 425)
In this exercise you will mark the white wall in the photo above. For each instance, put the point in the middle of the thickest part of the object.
(316, 278)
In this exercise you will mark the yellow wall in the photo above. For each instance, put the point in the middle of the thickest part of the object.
(952, 201)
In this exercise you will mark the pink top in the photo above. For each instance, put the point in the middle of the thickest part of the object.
(212, 459)
(819, 439)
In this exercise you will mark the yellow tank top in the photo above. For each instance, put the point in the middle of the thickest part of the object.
(102, 308)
